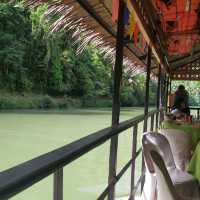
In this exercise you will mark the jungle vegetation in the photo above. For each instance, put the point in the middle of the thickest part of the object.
(42, 70)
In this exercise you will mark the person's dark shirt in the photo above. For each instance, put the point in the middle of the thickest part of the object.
(181, 100)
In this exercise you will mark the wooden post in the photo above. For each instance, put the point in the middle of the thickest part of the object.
(134, 148)
(152, 123)
(146, 105)
(146, 100)
(170, 90)
(170, 86)
(163, 90)
(158, 94)
(58, 185)
(166, 94)
(163, 98)
(116, 99)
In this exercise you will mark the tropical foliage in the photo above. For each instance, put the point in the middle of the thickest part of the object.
(36, 62)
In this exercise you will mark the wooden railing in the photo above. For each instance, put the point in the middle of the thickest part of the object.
(197, 110)
(20, 177)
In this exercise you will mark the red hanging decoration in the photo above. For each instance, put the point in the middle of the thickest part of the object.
(179, 20)
(136, 32)
(115, 8)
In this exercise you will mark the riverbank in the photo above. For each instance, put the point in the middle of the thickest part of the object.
(38, 101)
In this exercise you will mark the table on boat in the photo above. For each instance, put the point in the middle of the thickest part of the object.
(191, 129)
(197, 108)
(194, 131)
(194, 165)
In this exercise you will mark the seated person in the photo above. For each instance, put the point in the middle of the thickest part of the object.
(181, 100)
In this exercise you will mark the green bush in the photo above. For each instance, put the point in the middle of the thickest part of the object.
(37, 102)
(47, 102)
(128, 98)
(74, 102)
(103, 103)
(96, 102)
(68, 102)
(6, 103)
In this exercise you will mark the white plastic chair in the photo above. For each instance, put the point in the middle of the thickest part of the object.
(180, 143)
(165, 187)
(184, 183)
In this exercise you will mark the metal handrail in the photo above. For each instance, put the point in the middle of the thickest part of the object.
(20, 177)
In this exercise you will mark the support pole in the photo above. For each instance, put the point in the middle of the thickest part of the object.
(163, 97)
(170, 90)
(163, 80)
(167, 94)
(170, 86)
(146, 105)
(134, 149)
(164, 89)
(146, 100)
(58, 185)
(116, 99)
(158, 94)
(152, 123)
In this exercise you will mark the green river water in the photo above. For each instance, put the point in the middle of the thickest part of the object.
(24, 136)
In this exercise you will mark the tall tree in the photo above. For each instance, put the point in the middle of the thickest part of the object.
(15, 33)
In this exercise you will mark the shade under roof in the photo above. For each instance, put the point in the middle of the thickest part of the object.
(179, 20)
(170, 26)
(90, 22)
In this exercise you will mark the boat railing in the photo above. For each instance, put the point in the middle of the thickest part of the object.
(192, 108)
(23, 176)
(197, 109)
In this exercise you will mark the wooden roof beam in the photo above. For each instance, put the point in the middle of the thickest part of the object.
(92, 13)
(185, 78)
(172, 61)
(185, 61)
(148, 33)
(186, 32)
(191, 72)
(151, 13)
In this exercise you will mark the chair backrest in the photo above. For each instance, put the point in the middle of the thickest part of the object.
(157, 142)
(181, 146)
(165, 188)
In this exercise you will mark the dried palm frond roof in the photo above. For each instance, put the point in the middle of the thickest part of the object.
(173, 28)
(90, 22)
(190, 71)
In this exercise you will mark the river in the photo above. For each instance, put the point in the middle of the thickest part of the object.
(25, 135)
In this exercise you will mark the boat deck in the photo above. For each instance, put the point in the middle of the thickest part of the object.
(127, 198)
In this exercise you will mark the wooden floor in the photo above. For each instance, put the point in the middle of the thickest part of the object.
(127, 198)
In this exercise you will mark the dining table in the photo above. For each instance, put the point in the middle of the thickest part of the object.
(194, 164)
(192, 129)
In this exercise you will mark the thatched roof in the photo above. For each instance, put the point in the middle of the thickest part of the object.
(174, 27)
(90, 22)
(189, 71)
